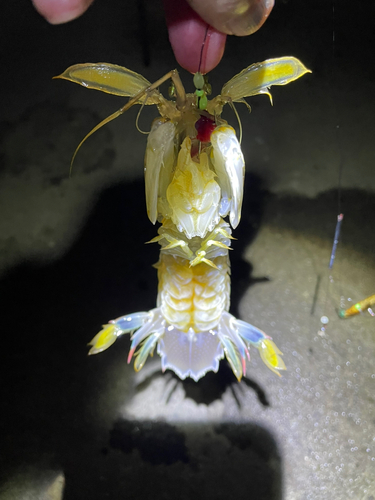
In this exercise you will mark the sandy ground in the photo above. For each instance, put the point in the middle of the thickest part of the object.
(72, 257)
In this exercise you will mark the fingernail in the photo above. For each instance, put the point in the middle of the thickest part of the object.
(248, 17)
(65, 16)
(196, 45)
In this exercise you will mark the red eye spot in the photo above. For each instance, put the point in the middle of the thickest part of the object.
(205, 126)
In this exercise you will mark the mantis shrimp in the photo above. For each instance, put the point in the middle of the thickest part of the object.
(194, 178)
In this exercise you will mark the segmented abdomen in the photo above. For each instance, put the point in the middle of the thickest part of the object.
(193, 297)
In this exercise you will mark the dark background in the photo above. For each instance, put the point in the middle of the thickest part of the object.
(72, 257)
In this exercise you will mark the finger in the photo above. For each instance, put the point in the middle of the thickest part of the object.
(61, 11)
(196, 45)
(234, 17)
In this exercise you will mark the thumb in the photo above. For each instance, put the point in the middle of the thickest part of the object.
(234, 17)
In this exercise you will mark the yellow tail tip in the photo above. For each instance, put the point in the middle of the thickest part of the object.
(104, 339)
(271, 356)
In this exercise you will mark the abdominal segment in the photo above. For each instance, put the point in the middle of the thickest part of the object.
(193, 297)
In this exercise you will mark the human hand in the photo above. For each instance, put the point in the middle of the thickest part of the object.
(202, 23)
(188, 23)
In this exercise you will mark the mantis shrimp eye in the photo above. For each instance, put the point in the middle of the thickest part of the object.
(204, 126)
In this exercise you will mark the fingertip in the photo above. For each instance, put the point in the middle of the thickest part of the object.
(197, 46)
(61, 11)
